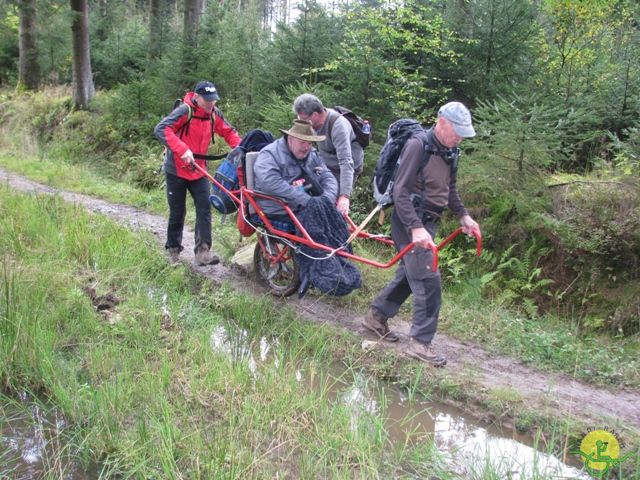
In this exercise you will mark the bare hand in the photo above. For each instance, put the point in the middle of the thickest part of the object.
(469, 225)
(343, 204)
(188, 157)
(421, 238)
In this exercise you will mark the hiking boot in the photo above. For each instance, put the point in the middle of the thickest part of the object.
(174, 255)
(205, 257)
(305, 283)
(377, 323)
(424, 352)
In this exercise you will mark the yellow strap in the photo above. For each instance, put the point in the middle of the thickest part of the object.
(363, 224)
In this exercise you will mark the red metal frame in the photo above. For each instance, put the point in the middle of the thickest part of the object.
(240, 195)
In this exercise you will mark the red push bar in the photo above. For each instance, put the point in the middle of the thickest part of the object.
(238, 195)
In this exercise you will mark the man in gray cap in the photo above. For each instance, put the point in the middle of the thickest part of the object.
(291, 169)
(421, 193)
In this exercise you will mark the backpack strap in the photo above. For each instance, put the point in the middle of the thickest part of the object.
(200, 156)
(427, 150)
(184, 129)
(450, 156)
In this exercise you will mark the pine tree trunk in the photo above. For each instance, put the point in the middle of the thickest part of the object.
(156, 28)
(83, 88)
(29, 74)
(192, 14)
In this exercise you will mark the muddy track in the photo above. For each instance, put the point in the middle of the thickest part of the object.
(552, 394)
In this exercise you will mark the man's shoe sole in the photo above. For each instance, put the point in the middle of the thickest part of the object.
(438, 363)
(389, 337)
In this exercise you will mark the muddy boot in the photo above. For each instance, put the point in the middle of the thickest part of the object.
(425, 352)
(205, 257)
(174, 255)
(377, 323)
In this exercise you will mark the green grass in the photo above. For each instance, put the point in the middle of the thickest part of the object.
(146, 393)
(82, 179)
(154, 350)
(545, 342)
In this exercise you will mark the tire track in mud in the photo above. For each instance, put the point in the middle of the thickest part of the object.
(555, 395)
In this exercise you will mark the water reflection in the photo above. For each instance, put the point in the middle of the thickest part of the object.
(472, 447)
(30, 442)
(240, 348)
(474, 451)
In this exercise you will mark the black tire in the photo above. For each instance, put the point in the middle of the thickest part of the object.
(283, 278)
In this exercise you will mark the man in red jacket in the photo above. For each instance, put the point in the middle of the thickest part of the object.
(187, 132)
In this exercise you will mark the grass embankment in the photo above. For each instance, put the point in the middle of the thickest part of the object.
(43, 140)
(146, 394)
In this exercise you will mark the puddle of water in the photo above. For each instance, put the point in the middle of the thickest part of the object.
(239, 347)
(470, 447)
(30, 442)
(31, 438)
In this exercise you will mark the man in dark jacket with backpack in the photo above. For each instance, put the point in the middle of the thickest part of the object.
(186, 133)
(425, 184)
(340, 150)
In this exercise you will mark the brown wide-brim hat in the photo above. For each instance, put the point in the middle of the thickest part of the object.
(302, 130)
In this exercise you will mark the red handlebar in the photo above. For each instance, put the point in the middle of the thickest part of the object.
(308, 241)
(442, 244)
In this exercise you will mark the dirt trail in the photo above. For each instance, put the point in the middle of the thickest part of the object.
(546, 392)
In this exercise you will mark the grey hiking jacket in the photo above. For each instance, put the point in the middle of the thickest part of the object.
(276, 168)
(340, 151)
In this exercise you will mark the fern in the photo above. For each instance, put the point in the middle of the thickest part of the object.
(517, 278)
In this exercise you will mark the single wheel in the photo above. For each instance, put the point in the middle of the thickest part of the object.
(276, 266)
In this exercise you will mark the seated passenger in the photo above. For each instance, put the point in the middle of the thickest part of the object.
(291, 170)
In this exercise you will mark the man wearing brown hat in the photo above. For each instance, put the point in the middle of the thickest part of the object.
(421, 192)
(291, 170)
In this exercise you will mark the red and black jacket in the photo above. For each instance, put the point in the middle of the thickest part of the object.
(185, 129)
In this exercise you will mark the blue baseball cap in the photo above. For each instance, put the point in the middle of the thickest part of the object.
(207, 90)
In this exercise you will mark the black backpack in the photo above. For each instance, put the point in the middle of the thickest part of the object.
(361, 127)
(387, 165)
(227, 172)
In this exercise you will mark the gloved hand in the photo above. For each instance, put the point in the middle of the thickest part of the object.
(343, 204)
(188, 157)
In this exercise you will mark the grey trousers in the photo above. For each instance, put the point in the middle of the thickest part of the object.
(413, 276)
